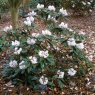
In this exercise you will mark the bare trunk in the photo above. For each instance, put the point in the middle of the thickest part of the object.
(14, 17)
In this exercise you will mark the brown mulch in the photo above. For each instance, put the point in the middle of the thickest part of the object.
(85, 24)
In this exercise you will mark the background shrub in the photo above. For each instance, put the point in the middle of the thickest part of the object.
(56, 3)
(79, 6)
(3, 7)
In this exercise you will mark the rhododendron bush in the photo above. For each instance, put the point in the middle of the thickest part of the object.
(47, 58)
(79, 6)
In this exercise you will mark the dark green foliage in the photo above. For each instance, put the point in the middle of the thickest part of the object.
(56, 3)
(3, 7)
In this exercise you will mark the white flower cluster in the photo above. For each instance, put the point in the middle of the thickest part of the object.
(83, 3)
(80, 45)
(46, 32)
(29, 20)
(35, 35)
(51, 8)
(44, 54)
(8, 28)
(63, 25)
(31, 41)
(87, 3)
(72, 72)
(40, 6)
(22, 65)
(43, 80)
(15, 43)
(33, 13)
(13, 63)
(17, 50)
(63, 12)
(33, 59)
(72, 42)
(60, 74)
(51, 18)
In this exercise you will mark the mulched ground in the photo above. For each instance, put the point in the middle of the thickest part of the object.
(86, 25)
(80, 24)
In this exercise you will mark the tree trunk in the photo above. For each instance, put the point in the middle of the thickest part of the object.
(14, 17)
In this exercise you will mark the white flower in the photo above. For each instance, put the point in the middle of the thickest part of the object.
(35, 35)
(80, 45)
(63, 25)
(71, 42)
(17, 51)
(60, 74)
(13, 64)
(88, 3)
(8, 28)
(43, 80)
(43, 54)
(46, 32)
(56, 47)
(90, 57)
(63, 12)
(27, 22)
(83, 3)
(90, 10)
(15, 43)
(71, 72)
(31, 41)
(40, 6)
(81, 33)
(51, 18)
(91, 0)
(33, 59)
(30, 18)
(73, 5)
(32, 13)
(70, 30)
(22, 65)
(51, 8)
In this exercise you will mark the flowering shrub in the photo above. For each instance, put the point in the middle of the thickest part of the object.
(45, 59)
(56, 3)
(79, 6)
